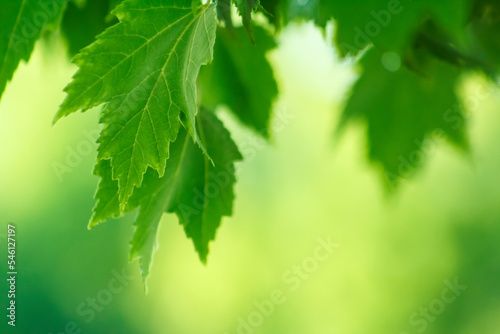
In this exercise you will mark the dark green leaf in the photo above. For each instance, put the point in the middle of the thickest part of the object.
(389, 24)
(224, 13)
(245, 9)
(272, 9)
(22, 22)
(82, 23)
(241, 77)
(403, 109)
(484, 28)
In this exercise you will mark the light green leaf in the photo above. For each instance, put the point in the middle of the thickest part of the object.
(22, 22)
(198, 191)
(145, 69)
(107, 205)
(232, 78)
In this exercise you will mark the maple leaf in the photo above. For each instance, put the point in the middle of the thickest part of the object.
(107, 204)
(403, 109)
(23, 21)
(245, 9)
(388, 24)
(198, 190)
(145, 69)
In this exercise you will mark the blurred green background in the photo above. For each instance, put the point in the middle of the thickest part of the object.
(395, 254)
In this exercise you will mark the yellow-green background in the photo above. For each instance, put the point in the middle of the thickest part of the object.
(395, 251)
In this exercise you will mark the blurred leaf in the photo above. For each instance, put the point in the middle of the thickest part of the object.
(20, 27)
(478, 251)
(114, 3)
(389, 25)
(78, 3)
(82, 22)
(245, 9)
(484, 28)
(145, 69)
(241, 77)
(224, 13)
(403, 108)
(282, 12)
(308, 10)
(434, 40)
(272, 9)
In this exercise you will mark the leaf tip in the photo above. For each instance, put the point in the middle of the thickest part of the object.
(94, 221)
(56, 118)
(203, 258)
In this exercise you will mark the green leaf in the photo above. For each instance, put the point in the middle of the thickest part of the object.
(224, 13)
(198, 191)
(21, 25)
(389, 24)
(403, 109)
(82, 22)
(245, 9)
(114, 3)
(484, 28)
(301, 10)
(272, 9)
(107, 205)
(241, 77)
(145, 69)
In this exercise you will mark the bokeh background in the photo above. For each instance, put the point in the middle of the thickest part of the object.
(396, 251)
